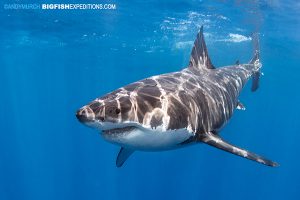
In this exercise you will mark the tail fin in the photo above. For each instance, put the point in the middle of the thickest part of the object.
(256, 62)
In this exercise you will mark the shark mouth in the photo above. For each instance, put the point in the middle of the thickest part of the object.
(119, 130)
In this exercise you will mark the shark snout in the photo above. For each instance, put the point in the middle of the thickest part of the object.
(85, 114)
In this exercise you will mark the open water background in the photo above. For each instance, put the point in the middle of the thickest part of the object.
(54, 61)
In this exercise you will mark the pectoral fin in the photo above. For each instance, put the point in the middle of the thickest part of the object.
(214, 140)
(123, 156)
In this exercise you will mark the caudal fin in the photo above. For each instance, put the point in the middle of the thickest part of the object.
(256, 63)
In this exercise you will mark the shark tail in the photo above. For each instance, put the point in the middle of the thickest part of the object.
(255, 61)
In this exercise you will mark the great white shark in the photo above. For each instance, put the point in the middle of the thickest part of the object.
(176, 109)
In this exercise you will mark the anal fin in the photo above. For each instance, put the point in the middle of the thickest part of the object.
(123, 156)
(240, 106)
(215, 141)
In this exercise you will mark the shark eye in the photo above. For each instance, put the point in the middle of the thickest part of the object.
(118, 110)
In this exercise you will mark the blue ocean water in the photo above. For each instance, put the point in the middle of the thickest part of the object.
(52, 62)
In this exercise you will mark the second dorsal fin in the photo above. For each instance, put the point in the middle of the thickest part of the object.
(199, 56)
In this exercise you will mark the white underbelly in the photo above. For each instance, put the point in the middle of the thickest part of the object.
(150, 140)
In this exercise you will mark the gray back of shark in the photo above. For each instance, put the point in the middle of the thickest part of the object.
(175, 109)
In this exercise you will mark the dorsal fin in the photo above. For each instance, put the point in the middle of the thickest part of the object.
(199, 56)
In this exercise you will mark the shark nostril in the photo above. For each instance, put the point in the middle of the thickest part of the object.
(85, 114)
(81, 116)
